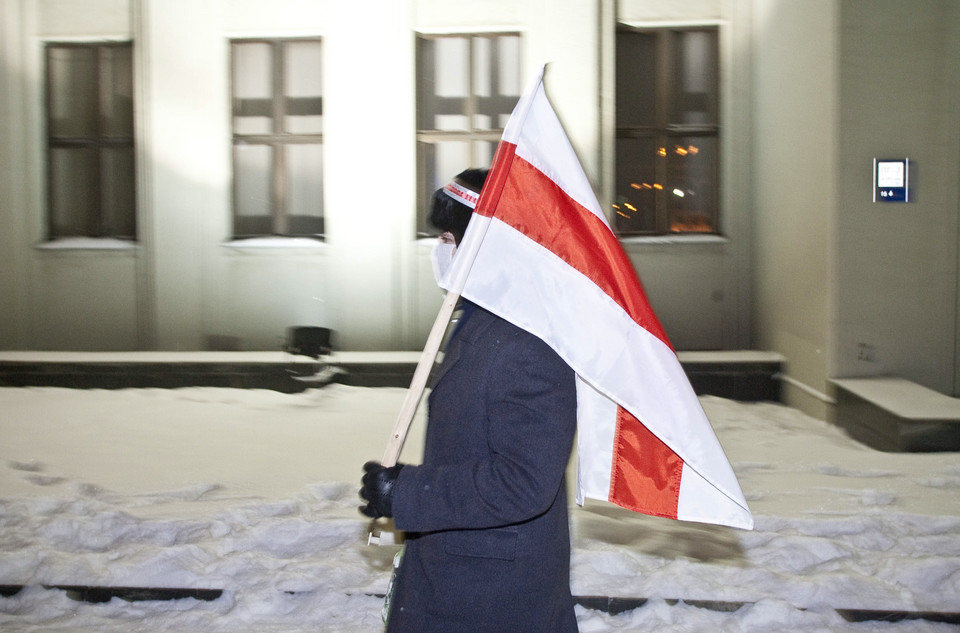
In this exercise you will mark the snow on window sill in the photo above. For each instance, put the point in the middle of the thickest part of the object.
(676, 238)
(276, 242)
(87, 244)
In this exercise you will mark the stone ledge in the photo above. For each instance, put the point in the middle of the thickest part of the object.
(894, 414)
(740, 375)
(607, 604)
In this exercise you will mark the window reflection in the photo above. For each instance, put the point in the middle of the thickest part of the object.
(468, 85)
(89, 122)
(667, 131)
(277, 137)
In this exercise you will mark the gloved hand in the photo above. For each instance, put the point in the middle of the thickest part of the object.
(377, 489)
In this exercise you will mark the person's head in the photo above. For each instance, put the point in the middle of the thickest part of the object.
(448, 211)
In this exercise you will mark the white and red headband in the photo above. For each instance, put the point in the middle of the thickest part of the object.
(461, 194)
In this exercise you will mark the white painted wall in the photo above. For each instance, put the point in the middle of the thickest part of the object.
(806, 266)
(186, 286)
(700, 285)
(72, 298)
(14, 234)
(846, 287)
(897, 263)
(795, 151)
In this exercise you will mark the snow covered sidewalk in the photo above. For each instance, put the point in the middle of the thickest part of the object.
(252, 494)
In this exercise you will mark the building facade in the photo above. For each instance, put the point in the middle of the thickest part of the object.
(798, 259)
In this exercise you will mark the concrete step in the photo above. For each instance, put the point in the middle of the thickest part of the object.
(740, 375)
(890, 413)
(607, 604)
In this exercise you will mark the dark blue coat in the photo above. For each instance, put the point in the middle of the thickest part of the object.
(488, 544)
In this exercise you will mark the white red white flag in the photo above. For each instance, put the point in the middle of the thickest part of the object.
(540, 253)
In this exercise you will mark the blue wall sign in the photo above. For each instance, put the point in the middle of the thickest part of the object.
(891, 180)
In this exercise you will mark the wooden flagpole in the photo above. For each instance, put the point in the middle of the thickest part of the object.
(419, 382)
(467, 253)
(414, 394)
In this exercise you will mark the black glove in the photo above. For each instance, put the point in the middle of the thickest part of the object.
(377, 489)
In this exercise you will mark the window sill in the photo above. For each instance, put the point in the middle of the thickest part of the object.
(679, 238)
(275, 242)
(87, 244)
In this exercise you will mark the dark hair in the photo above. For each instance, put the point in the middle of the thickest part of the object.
(447, 214)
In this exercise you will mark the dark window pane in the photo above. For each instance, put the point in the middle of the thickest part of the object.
(483, 152)
(691, 187)
(74, 195)
(252, 225)
(304, 165)
(506, 61)
(116, 91)
(695, 80)
(302, 88)
(305, 225)
(92, 181)
(449, 159)
(637, 185)
(72, 92)
(445, 84)
(119, 199)
(253, 181)
(467, 88)
(636, 79)
(278, 143)
(667, 86)
(252, 88)
(496, 80)
(437, 164)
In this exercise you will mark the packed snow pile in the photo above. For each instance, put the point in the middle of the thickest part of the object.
(249, 498)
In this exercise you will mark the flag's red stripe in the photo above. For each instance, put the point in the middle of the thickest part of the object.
(496, 178)
(523, 197)
(646, 473)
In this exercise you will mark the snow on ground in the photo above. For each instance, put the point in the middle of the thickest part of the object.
(255, 492)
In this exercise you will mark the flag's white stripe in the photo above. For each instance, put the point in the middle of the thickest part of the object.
(594, 442)
(699, 502)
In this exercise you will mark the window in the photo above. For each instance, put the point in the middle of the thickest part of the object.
(667, 147)
(468, 86)
(277, 138)
(90, 158)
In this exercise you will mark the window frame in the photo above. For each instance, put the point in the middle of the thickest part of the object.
(475, 137)
(95, 224)
(277, 140)
(664, 133)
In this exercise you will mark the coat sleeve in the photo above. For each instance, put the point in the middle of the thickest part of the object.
(530, 418)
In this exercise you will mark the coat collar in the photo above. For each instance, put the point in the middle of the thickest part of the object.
(474, 320)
